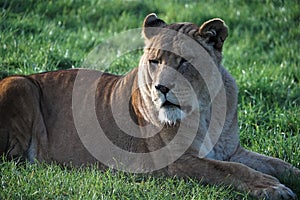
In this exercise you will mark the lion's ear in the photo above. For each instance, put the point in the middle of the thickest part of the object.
(215, 31)
(152, 25)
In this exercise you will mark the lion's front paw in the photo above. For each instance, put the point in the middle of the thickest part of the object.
(275, 192)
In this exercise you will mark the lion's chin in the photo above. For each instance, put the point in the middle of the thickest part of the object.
(170, 115)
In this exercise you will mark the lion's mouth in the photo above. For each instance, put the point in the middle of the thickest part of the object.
(170, 104)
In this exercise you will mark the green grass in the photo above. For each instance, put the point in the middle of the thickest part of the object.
(262, 53)
(53, 182)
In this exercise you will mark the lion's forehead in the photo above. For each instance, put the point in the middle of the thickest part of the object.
(185, 28)
(162, 55)
(175, 55)
(176, 45)
(177, 51)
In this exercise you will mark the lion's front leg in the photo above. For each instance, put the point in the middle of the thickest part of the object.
(285, 172)
(237, 175)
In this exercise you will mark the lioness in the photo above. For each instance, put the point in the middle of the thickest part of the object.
(180, 99)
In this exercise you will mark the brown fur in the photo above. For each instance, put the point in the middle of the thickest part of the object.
(36, 119)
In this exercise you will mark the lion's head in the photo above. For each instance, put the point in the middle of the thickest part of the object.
(179, 69)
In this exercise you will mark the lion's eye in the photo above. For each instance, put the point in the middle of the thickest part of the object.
(153, 62)
(183, 61)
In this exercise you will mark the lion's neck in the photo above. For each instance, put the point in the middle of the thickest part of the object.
(141, 101)
(126, 98)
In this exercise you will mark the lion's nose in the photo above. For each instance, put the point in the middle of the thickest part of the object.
(163, 89)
